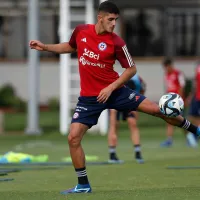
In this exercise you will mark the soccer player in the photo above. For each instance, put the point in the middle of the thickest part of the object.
(101, 87)
(135, 83)
(174, 82)
(194, 100)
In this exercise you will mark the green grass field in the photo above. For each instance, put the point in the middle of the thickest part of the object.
(128, 181)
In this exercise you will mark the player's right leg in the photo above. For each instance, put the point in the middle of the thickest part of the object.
(152, 108)
(77, 131)
(85, 116)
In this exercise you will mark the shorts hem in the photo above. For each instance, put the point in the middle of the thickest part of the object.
(89, 125)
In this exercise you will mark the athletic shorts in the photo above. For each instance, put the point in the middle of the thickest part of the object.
(194, 109)
(88, 109)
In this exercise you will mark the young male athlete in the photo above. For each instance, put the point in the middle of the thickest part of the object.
(101, 87)
(194, 102)
(135, 83)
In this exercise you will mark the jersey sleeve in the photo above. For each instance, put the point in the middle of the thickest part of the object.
(122, 54)
(72, 41)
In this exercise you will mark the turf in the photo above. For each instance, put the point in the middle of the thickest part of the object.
(151, 180)
(128, 181)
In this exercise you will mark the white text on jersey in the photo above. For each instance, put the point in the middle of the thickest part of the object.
(86, 62)
(90, 54)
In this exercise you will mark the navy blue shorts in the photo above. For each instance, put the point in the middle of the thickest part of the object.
(88, 109)
(194, 109)
(124, 115)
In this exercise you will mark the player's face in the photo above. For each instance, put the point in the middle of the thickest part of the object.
(108, 21)
(167, 68)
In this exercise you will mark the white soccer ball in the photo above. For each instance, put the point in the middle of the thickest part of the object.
(171, 104)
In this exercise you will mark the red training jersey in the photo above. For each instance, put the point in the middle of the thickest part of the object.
(174, 81)
(96, 57)
(197, 83)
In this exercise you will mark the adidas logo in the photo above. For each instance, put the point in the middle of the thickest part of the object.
(137, 97)
(83, 40)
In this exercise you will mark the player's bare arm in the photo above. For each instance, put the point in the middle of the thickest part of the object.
(106, 92)
(55, 48)
(125, 76)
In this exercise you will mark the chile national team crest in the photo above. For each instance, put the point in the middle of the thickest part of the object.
(102, 46)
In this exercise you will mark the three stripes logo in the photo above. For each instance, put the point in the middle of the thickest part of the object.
(128, 56)
(136, 98)
(83, 40)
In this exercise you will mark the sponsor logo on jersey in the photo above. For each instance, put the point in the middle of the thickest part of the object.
(84, 61)
(102, 46)
(90, 54)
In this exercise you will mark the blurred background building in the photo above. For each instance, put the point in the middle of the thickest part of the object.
(152, 30)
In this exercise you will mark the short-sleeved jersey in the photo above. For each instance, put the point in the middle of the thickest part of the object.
(174, 81)
(197, 83)
(96, 57)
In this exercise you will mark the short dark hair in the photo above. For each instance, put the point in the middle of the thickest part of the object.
(109, 7)
(167, 61)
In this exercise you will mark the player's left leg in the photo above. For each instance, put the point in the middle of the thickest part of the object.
(135, 135)
(152, 108)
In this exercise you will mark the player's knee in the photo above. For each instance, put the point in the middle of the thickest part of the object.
(73, 139)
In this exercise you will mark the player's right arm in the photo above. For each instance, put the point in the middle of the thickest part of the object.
(65, 47)
(55, 48)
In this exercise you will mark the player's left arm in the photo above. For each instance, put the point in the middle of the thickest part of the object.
(126, 75)
(106, 92)
(124, 58)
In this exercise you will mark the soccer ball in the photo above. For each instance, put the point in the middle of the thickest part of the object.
(171, 104)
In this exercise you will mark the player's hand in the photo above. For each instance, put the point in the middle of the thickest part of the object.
(104, 94)
(35, 44)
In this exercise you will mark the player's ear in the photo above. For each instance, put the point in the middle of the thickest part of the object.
(99, 17)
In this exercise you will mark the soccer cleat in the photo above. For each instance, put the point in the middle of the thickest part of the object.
(166, 143)
(86, 188)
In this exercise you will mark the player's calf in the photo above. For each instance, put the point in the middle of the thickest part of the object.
(152, 108)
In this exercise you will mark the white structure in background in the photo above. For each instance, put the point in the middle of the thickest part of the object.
(33, 71)
(65, 63)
